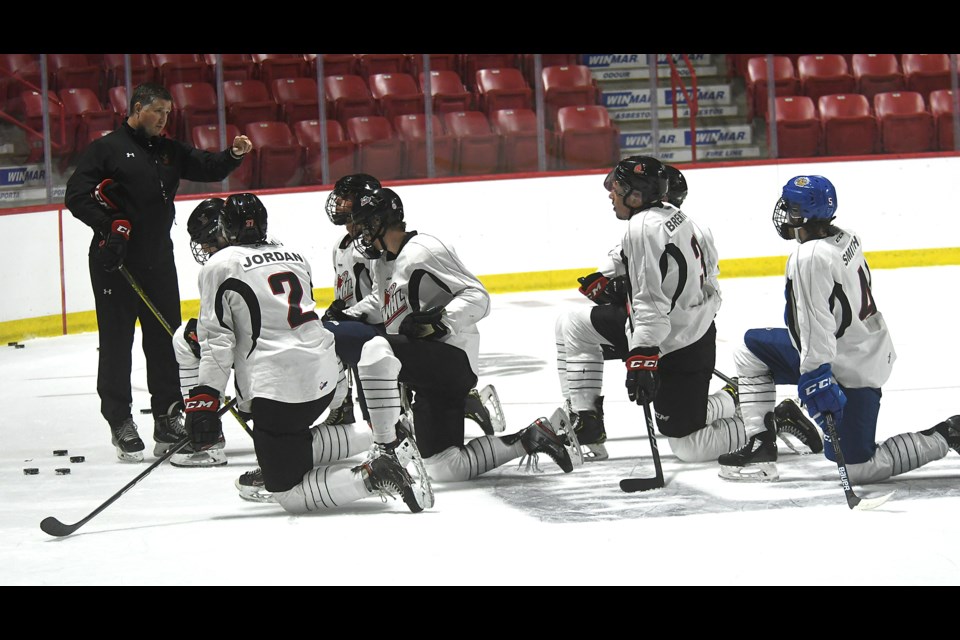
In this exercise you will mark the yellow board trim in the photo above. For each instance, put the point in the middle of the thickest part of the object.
(86, 321)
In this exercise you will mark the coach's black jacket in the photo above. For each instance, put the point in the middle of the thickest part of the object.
(149, 170)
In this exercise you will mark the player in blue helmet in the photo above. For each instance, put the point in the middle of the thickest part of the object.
(836, 348)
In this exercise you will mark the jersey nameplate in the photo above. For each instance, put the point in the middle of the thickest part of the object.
(269, 257)
(851, 251)
(673, 222)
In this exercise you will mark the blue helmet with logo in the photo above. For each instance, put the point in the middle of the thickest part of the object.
(804, 199)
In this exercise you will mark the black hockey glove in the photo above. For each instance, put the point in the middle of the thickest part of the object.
(424, 325)
(202, 421)
(616, 291)
(593, 285)
(190, 335)
(113, 246)
(335, 313)
(642, 378)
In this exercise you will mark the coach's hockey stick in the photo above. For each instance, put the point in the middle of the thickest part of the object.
(631, 485)
(166, 325)
(853, 500)
(54, 527)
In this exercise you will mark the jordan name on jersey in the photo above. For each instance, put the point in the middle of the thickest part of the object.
(269, 257)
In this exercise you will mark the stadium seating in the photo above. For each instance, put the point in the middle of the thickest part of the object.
(86, 116)
(798, 127)
(369, 64)
(941, 108)
(586, 138)
(74, 70)
(478, 147)
(847, 124)
(395, 94)
(379, 150)
(141, 69)
(470, 63)
(517, 129)
(876, 72)
(179, 67)
(62, 136)
(502, 88)
(567, 85)
(297, 98)
(277, 157)
(236, 66)
(247, 101)
(448, 91)
(823, 74)
(340, 150)
(926, 72)
(412, 130)
(348, 96)
(194, 103)
(334, 64)
(905, 124)
(274, 66)
(784, 81)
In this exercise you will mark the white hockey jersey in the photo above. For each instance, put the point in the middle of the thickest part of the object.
(613, 265)
(258, 317)
(672, 269)
(831, 314)
(428, 273)
(353, 281)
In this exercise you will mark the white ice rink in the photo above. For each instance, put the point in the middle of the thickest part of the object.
(187, 526)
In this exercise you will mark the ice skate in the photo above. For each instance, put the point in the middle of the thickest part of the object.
(475, 410)
(342, 414)
(168, 430)
(540, 437)
(560, 420)
(251, 488)
(590, 432)
(383, 474)
(950, 430)
(792, 421)
(404, 450)
(757, 460)
(125, 438)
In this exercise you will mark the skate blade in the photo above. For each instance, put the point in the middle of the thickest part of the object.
(491, 400)
(760, 472)
(408, 454)
(794, 444)
(561, 422)
(260, 496)
(594, 452)
(124, 456)
(210, 458)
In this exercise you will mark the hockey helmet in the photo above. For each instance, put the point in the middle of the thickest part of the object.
(344, 199)
(643, 182)
(804, 199)
(376, 211)
(676, 185)
(203, 225)
(244, 219)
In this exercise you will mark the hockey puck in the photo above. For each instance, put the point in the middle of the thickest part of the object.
(30, 471)
(145, 411)
(77, 458)
(12, 344)
(59, 452)
(63, 471)
(19, 346)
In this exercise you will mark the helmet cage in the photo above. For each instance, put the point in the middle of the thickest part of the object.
(204, 229)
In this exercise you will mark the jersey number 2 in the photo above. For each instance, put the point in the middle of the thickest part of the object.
(295, 314)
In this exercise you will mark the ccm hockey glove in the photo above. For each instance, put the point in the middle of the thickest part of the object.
(113, 247)
(201, 420)
(642, 378)
(424, 325)
(820, 393)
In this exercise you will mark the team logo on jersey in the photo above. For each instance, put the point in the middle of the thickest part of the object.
(394, 303)
(344, 286)
(801, 181)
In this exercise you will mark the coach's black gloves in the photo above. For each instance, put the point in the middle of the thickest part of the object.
(113, 246)
(424, 325)
(202, 418)
(642, 379)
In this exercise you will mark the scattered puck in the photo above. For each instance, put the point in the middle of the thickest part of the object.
(145, 411)
(77, 458)
(30, 471)
(59, 452)
(12, 344)
(63, 471)
(19, 346)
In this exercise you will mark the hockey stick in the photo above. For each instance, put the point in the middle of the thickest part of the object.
(853, 500)
(726, 379)
(54, 527)
(631, 485)
(166, 325)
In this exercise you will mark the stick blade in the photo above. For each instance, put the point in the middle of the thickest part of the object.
(54, 527)
(632, 485)
(865, 504)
